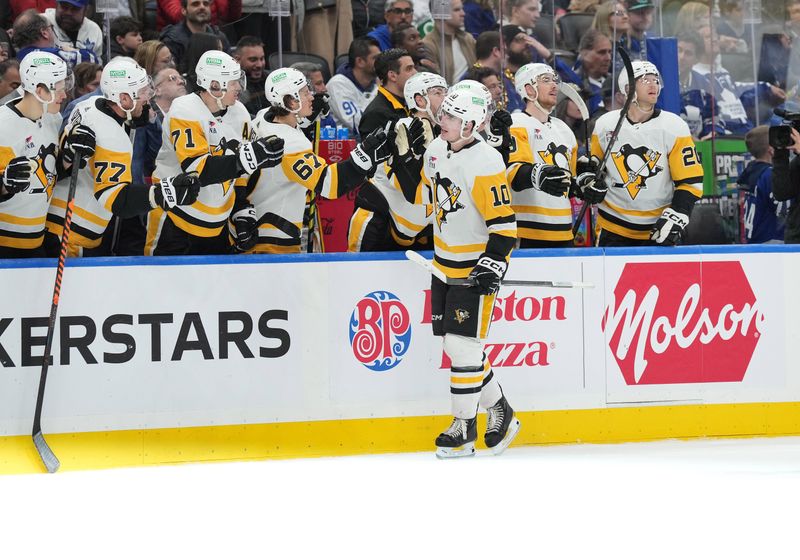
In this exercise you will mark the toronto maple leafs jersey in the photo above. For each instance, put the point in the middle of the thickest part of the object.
(23, 214)
(279, 193)
(541, 216)
(470, 201)
(99, 184)
(648, 164)
(192, 134)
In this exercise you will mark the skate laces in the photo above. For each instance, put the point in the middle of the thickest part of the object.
(496, 415)
(457, 428)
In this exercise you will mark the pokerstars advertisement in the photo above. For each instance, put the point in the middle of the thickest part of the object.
(708, 328)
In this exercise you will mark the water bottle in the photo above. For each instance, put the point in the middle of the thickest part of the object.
(328, 133)
(342, 133)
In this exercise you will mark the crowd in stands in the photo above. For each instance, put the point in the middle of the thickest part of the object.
(722, 92)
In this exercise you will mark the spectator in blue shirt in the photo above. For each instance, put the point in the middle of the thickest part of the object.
(395, 12)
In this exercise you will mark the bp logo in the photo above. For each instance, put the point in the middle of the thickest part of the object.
(380, 331)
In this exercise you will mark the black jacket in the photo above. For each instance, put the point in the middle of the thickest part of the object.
(384, 108)
(786, 186)
(176, 38)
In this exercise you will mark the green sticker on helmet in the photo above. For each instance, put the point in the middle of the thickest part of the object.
(279, 77)
(213, 61)
(478, 101)
(42, 61)
(118, 73)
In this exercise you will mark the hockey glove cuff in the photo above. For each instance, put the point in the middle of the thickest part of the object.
(261, 153)
(374, 149)
(180, 190)
(17, 175)
(487, 274)
(246, 226)
(80, 139)
(669, 228)
(550, 179)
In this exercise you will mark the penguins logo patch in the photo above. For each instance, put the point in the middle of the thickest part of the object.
(635, 167)
(461, 315)
(445, 199)
(555, 155)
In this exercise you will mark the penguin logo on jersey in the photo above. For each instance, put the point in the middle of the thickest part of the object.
(45, 170)
(445, 199)
(635, 167)
(555, 155)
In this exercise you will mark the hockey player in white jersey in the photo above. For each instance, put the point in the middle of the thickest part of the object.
(542, 162)
(28, 149)
(268, 214)
(208, 132)
(409, 223)
(99, 131)
(653, 176)
(474, 233)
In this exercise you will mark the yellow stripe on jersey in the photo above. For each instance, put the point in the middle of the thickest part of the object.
(542, 210)
(203, 230)
(520, 153)
(492, 198)
(85, 214)
(544, 234)
(215, 210)
(486, 315)
(602, 223)
(405, 223)
(6, 155)
(16, 220)
(684, 165)
(573, 160)
(270, 249)
(358, 225)
(472, 248)
(111, 171)
(189, 142)
(21, 243)
(654, 213)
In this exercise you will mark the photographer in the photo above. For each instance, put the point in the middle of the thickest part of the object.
(786, 176)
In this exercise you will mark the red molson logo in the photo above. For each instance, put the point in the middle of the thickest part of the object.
(664, 325)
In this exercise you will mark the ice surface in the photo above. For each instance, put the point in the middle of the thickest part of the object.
(731, 498)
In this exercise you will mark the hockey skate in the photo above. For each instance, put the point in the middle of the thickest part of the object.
(501, 426)
(458, 440)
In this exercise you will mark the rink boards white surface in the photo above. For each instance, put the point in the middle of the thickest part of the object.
(295, 385)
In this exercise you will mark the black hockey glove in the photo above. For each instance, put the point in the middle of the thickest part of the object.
(80, 139)
(17, 175)
(499, 129)
(550, 179)
(669, 228)
(320, 107)
(261, 153)
(590, 189)
(410, 140)
(180, 190)
(246, 225)
(374, 149)
(487, 274)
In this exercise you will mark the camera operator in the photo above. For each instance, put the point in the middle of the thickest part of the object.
(786, 176)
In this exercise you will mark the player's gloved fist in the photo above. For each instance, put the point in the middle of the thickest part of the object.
(321, 106)
(17, 175)
(590, 189)
(246, 226)
(374, 149)
(260, 153)
(587, 164)
(550, 179)
(487, 274)
(499, 129)
(180, 190)
(80, 139)
(669, 227)
(410, 140)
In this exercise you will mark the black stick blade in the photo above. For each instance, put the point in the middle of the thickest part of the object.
(51, 462)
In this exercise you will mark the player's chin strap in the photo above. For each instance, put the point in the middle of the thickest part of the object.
(538, 105)
(43, 102)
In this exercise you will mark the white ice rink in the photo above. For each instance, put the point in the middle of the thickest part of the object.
(720, 499)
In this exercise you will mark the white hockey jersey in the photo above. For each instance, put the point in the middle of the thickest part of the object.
(279, 194)
(23, 214)
(90, 36)
(541, 216)
(648, 163)
(191, 134)
(470, 200)
(99, 183)
(348, 101)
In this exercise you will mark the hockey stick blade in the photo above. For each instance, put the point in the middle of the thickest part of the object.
(626, 59)
(51, 462)
(572, 94)
(421, 261)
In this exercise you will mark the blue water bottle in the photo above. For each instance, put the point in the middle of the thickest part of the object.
(342, 133)
(328, 133)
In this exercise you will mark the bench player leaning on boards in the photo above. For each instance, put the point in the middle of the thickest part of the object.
(28, 154)
(474, 232)
(653, 175)
(268, 215)
(99, 130)
(542, 162)
(207, 132)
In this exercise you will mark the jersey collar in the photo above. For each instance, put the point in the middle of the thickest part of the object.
(392, 98)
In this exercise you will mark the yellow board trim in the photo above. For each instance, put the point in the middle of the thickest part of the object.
(100, 450)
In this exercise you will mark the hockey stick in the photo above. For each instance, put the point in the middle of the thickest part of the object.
(49, 458)
(418, 259)
(626, 59)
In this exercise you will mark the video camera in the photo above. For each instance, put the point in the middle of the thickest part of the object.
(780, 137)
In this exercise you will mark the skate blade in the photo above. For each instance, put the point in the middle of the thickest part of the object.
(513, 430)
(467, 450)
